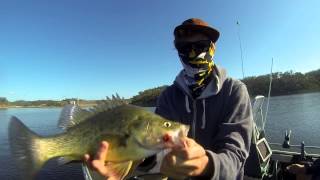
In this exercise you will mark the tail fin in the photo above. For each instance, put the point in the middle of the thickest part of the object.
(24, 145)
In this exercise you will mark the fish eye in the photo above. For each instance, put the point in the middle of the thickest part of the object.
(167, 124)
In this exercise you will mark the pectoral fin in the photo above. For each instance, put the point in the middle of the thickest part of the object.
(122, 169)
(125, 169)
(132, 171)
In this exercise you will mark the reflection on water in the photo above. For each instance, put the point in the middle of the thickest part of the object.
(300, 113)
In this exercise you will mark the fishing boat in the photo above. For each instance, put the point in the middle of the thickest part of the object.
(267, 160)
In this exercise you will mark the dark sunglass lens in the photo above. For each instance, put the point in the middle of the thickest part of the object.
(186, 47)
(202, 45)
(184, 33)
(183, 47)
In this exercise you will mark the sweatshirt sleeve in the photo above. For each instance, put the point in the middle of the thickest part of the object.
(232, 143)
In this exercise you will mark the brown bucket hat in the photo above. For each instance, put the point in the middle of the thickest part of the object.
(195, 24)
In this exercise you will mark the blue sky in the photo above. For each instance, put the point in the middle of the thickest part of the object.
(92, 49)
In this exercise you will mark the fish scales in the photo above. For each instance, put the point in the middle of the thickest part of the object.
(133, 134)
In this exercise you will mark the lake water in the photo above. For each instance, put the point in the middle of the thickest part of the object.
(300, 113)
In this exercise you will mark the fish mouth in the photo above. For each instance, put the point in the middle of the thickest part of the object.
(173, 139)
(167, 140)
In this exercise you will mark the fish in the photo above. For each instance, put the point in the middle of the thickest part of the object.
(133, 133)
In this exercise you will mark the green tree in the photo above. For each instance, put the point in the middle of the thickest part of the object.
(147, 98)
(284, 83)
(3, 101)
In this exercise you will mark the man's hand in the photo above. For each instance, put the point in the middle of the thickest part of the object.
(98, 162)
(182, 162)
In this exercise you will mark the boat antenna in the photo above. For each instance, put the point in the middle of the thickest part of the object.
(269, 92)
(238, 24)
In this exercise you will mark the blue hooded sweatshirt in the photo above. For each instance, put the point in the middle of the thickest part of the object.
(220, 120)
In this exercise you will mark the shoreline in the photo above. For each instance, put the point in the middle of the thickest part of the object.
(10, 107)
(290, 94)
(94, 104)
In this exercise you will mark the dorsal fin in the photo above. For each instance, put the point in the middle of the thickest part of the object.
(108, 104)
(72, 115)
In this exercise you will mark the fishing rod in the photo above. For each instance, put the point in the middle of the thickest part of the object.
(240, 44)
(269, 93)
(243, 75)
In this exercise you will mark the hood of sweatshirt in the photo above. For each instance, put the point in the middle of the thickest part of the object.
(213, 88)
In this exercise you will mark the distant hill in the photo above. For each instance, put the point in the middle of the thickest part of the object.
(282, 84)
(45, 103)
(147, 97)
(3, 102)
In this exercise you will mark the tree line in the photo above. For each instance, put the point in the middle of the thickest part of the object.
(147, 97)
(45, 103)
(282, 84)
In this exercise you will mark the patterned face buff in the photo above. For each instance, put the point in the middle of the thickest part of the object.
(196, 58)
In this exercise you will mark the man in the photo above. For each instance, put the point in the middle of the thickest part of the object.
(216, 107)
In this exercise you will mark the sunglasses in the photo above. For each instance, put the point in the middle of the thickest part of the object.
(185, 32)
(186, 47)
